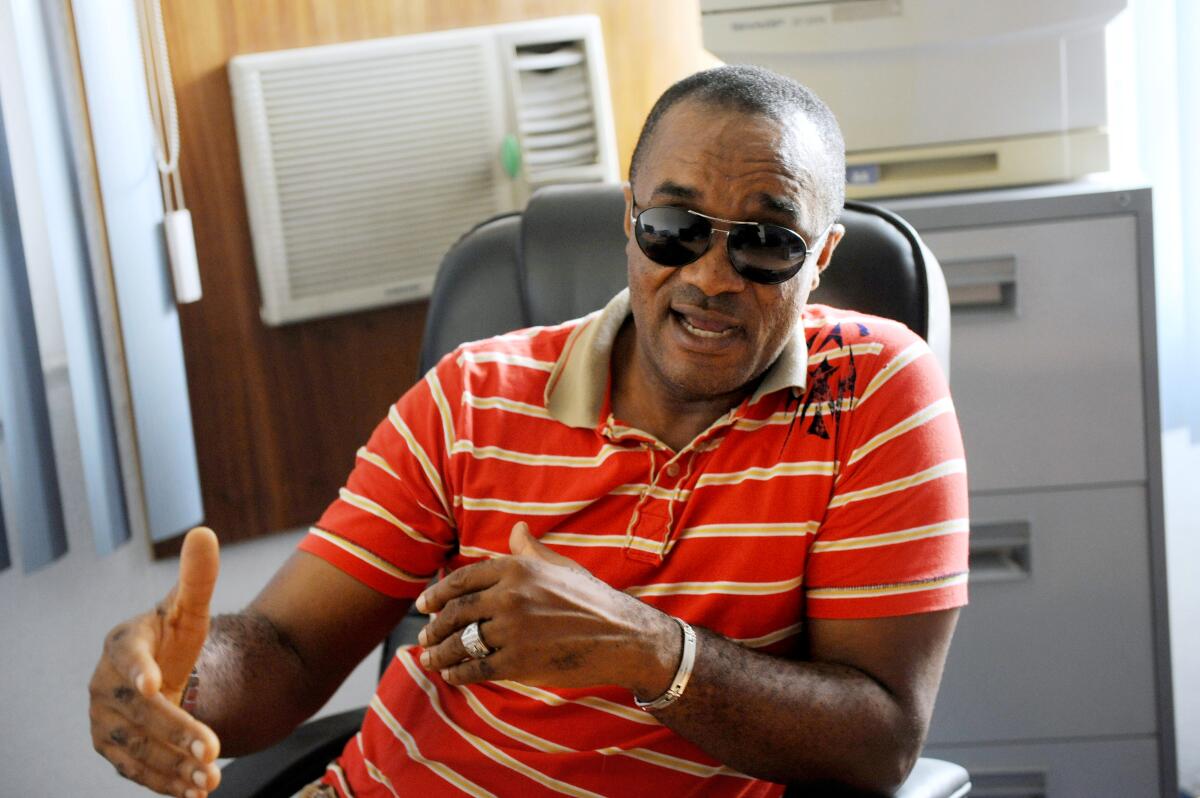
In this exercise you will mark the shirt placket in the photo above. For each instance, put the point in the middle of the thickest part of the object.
(651, 529)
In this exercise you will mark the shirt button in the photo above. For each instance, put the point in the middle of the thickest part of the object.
(673, 470)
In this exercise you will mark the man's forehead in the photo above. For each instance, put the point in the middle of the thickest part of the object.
(670, 189)
(698, 146)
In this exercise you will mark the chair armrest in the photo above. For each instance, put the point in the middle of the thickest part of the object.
(284, 768)
(934, 778)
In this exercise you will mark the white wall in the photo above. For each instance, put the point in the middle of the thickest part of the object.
(52, 623)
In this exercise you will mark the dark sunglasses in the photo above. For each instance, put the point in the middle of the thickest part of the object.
(760, 252)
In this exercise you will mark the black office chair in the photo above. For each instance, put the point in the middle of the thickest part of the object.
(564, 257)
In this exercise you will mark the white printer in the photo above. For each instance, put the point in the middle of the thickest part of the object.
(939, 95)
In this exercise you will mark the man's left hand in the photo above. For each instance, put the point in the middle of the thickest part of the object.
(548, 622)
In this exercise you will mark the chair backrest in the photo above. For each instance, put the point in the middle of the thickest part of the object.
(564, 256)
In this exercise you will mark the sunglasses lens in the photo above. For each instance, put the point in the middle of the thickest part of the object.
(766, 253)
(762, 253)
(672, 236)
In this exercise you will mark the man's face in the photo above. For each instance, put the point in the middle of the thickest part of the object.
(703, 330)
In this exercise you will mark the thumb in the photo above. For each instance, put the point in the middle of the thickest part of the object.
(184, 612)
(522, 543)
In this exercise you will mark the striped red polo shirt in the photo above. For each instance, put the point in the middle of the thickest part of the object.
(837, 490)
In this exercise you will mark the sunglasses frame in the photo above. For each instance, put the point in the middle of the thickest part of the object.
(754, 275)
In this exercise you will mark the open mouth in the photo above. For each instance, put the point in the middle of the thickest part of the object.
(703, 327)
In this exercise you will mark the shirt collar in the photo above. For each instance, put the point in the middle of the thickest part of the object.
(578, 383)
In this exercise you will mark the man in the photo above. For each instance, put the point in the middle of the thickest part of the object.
(709, 539)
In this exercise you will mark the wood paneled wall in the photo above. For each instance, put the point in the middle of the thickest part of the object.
(279, 412)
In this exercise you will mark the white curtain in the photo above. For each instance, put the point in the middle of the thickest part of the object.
(1154, 113)
(1188, 22)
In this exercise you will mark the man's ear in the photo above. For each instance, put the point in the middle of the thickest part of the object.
(628, 223)
(832, 239)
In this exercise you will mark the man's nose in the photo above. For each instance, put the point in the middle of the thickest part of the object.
(712, 272)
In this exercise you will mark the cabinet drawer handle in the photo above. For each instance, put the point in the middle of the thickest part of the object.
(982, 283)
(1008, 784)
(1000, 551)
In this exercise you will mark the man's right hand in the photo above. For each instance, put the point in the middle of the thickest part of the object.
(137, 722)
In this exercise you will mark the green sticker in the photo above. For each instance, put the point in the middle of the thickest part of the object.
(510, 155)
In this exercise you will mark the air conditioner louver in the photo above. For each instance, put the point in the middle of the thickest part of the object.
(555, 116)
(364, 162)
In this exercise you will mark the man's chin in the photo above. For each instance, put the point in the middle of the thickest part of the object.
(709, 384)
(691, 375)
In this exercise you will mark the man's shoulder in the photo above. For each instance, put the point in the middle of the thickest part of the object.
(538, 347)
(850, 331)
(516, 366)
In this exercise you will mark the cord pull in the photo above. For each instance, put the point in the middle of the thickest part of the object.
(181, 253)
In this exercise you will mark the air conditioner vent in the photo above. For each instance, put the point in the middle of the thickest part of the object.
(364, 162)
(555, 118)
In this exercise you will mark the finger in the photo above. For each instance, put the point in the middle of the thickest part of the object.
(110, 727)
(173, 723)
(199, 563)
(185, 611)
(139, 772)
(168, 723)
(451, 651)
(477, 670)
(522, 543)
(129, 649)
(470, 579)
(457, 613)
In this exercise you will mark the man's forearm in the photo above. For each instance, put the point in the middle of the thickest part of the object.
(794, 721)
(854, 715)
(252, 689)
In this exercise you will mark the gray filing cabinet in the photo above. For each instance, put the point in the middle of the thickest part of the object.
(1058, 680)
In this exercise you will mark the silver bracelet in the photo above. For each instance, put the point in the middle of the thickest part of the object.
(680, 682)
(191, 693)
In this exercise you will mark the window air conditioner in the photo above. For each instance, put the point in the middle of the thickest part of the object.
(363, 162)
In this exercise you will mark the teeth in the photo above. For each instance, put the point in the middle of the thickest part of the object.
(704, 333)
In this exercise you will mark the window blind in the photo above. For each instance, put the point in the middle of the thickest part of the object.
(33, 507)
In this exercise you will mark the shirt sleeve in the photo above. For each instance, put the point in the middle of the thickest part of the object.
(894, 540)
(392, 525)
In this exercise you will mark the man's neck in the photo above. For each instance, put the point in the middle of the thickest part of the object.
(641, 399)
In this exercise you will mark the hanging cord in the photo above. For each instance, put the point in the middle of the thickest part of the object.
(177, 221)
(162, 100)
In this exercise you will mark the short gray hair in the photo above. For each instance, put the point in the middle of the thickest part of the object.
(754, 90)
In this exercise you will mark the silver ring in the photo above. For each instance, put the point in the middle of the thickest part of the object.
(473, 643)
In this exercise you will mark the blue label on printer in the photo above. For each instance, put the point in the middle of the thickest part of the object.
(863, 174)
